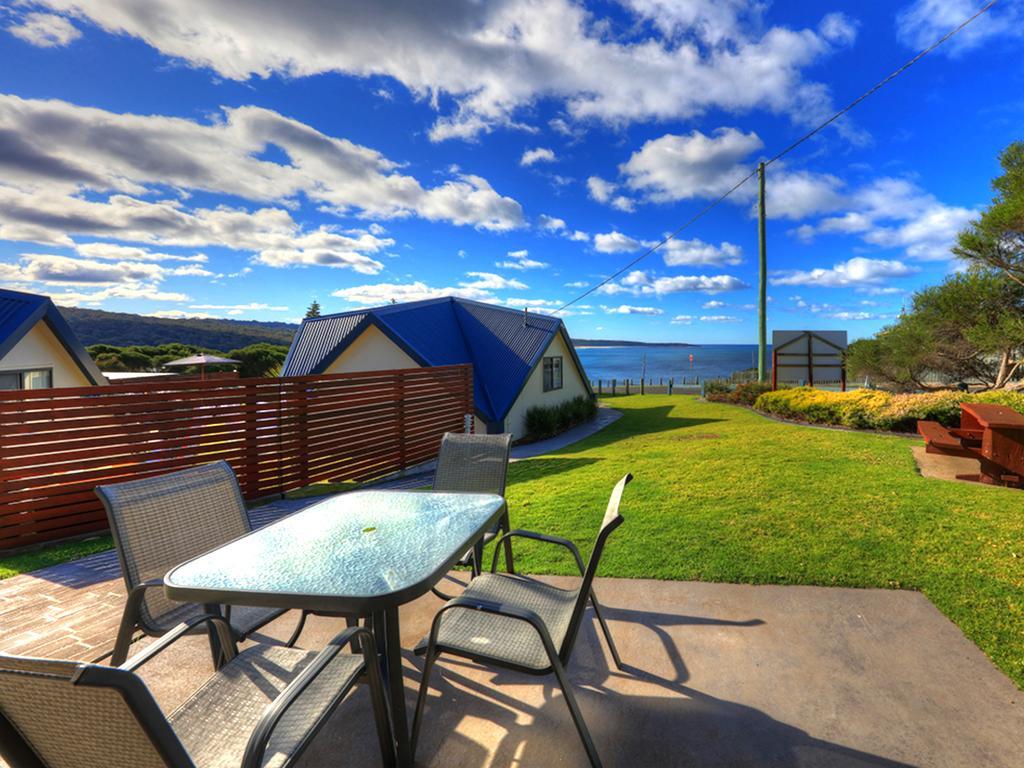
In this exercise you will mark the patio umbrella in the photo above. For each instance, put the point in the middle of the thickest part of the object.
(202, 360)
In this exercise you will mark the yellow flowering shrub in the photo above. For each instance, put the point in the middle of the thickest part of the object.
(875, 409)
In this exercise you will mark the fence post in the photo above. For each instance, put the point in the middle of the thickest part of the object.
(642, 389)
(627, 386)
(599, 391)
(400, 392)
(670, 386)
(614, 382)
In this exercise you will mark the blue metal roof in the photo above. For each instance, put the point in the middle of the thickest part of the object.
(503, 345)
(19, 313)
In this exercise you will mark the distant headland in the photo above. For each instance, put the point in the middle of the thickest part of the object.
(612, 343)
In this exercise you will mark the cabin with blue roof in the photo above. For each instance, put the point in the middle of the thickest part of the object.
(38, 349)
(519, 359)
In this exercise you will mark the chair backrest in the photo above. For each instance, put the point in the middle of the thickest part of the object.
(612, 520)
(61, 714)
(473, 463)
(160, 522)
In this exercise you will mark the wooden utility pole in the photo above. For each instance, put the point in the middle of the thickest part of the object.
(762, 281)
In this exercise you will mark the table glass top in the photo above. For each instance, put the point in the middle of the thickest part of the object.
(361, 544)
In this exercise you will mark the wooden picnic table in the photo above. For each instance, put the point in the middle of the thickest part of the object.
(992, 434)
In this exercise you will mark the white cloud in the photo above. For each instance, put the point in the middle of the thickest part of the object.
(492, 282)
(538, 155)
(579, 236)
(53, 269)
(327, 248)
(536, 304)
(551, 223)
(45, 30)
(616, 242)
(626, 309)
(495, 59)
(130, 253)
(697, 165)
(577, 284)
(720, 319)
(640, 283)
(896, 213)
(252, 306)
(604, 192)
(60, 147)
(683, 319)
(128, 291)
(922, 22)
(384, 293)
(713, 304)
(697, 253)
(858, 271)
(521, 260)
(180, 314)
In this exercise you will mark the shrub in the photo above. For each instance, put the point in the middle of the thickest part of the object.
(742, 394)
(548, 420)
(874, 409)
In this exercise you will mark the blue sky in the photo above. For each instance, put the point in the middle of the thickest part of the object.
(239, 159)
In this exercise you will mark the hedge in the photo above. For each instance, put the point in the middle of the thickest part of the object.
(745, 393)
(546, 421)
(874, 409)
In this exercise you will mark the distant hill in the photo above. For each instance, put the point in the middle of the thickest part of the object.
(611, 343)
(94, 326)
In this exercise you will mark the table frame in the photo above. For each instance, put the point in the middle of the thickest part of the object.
(380, 610)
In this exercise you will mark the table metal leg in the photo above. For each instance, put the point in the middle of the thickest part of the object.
(507, 543)
(387, 633)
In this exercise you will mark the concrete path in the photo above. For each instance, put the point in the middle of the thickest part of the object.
(718, 675)
(605, 416)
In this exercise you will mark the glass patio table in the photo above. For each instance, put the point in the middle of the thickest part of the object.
(363, 553)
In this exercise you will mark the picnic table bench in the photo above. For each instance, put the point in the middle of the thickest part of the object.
(992, 434)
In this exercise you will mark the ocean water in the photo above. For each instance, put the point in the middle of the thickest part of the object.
(710, 361)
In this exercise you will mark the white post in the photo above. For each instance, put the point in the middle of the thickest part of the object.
(467, 423)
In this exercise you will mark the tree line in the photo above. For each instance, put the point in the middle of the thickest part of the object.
(969, 328)
(259, 359)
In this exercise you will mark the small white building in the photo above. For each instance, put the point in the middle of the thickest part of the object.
(519, 359)
(38, 349)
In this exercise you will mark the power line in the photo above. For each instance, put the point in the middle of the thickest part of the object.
(717, 201)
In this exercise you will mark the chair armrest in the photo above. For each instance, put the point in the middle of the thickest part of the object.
(260, 738)
(165, 641)
(129, 620)
(557, 540)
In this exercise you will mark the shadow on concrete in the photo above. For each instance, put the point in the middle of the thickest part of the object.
(686, 727)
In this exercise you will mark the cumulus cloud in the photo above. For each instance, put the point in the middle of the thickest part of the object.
(492, 282)
(181, 314)
(697, 165)
(45, 30)
(626, 309)
(494, 59)
(551, 223)
(858, 271)
(130, 253)
(385, 293)
(537, 155)
(55, 147)
(604, 191)
(641, 283)
(922, 22)
(896, 213)
(252, 306)
(521, 260)
(713, 304)
(720, 319)
(683, 319)
(697, 253)
(616, 242)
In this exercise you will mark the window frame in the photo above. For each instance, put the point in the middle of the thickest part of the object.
(21, 372)
(548, 373)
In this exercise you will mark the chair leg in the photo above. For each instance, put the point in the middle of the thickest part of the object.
(421, 699)
(574, 710)
(298, 630)
(124, 638)
(477, 559)
(505, 526)
(606, 631)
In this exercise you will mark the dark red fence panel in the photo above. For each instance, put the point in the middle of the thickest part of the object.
(56, 445)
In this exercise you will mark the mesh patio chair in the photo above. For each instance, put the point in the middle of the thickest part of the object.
(262, 708)
(160, 522)
(522, 624)
(475, 464)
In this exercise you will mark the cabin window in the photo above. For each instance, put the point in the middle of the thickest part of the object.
(40, 378)
(552, 373)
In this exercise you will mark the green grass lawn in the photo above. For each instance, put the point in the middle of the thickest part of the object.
(12, 565)
(723, 494)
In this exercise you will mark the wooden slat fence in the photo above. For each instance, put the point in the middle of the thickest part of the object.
(278, 434)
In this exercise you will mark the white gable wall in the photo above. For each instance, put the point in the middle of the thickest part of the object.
(40, 348)
(533, 393)
(372, 351)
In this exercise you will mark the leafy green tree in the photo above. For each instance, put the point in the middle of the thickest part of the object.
(314, 309)
(259, 359)
(995, 239)
(968, 328)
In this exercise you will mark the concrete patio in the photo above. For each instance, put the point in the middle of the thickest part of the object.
(719, 675)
